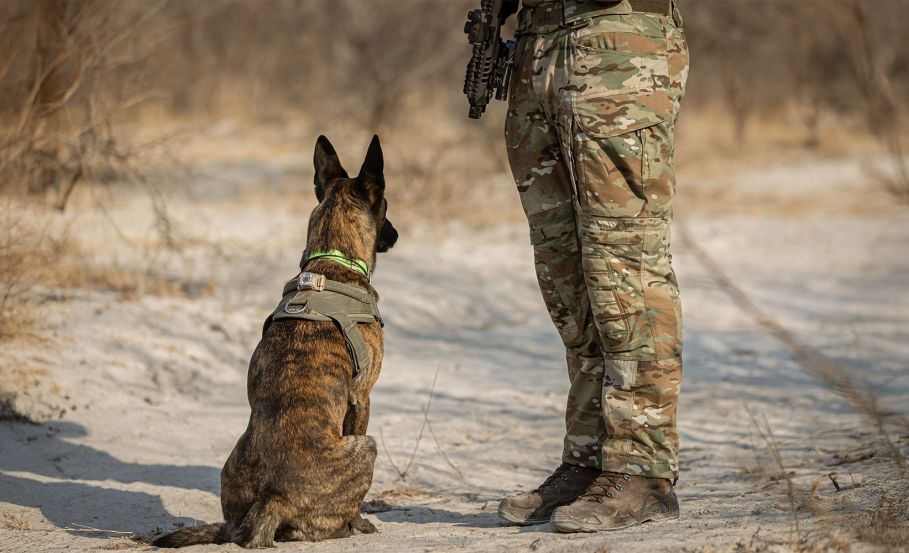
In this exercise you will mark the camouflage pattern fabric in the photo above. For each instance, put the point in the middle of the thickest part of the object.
(589, 134)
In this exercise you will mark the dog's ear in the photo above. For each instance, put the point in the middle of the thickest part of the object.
(372, 173)
(328, 166)
(374, 164)
(388, 235)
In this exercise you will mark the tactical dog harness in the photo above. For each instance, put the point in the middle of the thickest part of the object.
(312, 297)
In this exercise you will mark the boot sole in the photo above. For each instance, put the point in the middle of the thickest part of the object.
(518, 517)
(568, 525)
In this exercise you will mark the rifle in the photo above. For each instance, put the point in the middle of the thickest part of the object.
(489, 69)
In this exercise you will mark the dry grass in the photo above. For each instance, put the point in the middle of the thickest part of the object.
(888, 525)
(834, 543)
(20, 262)
(826, 371)
(15, 521)
(37, 261)
(766, 433)
(75, 270)
(403, 472)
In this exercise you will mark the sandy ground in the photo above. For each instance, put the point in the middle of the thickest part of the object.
(146, 395)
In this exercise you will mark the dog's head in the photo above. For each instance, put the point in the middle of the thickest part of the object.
(352, 212)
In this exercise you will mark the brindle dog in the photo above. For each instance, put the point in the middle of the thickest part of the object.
(304, 464)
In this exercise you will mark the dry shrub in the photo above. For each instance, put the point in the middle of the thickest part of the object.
(34, 253)
(77, 73)
(130, 282)
(878, 84)
(65, 80)
(22, 262)
(793, 57)
(20, 265)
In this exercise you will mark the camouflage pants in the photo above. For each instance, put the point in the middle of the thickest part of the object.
(590, 142)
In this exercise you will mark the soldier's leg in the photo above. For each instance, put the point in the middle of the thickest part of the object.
(546, 190)
(627, 76)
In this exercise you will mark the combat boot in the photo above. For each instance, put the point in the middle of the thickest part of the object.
(562, 487)
(615, 501)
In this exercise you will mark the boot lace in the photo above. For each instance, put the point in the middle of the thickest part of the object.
(557, 477)
(604, 484)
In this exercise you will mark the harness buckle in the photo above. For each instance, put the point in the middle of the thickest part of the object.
(311, 281)
(295, 310)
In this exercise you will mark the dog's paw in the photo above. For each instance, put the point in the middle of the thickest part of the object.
(360, 525)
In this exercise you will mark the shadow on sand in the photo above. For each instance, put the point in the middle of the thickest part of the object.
(40, 469)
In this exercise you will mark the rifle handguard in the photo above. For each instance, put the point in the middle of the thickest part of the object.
(489, 69)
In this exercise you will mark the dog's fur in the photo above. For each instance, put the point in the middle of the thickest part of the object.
(304, 464)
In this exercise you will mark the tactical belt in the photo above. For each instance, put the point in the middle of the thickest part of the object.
(550, 16)
(313, 297)
(661, 7)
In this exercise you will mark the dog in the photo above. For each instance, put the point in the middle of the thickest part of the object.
(304, 464)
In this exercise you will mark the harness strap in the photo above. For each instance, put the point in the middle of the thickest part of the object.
(313, 297)
(348, 290)
(354, 338)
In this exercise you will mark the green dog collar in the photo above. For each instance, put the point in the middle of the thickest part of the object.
(338, 256)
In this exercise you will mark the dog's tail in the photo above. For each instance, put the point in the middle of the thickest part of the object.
(193, 535)
(257, 529)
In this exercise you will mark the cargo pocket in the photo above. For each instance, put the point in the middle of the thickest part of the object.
(612, 262)
(618, 54)
(619, 102)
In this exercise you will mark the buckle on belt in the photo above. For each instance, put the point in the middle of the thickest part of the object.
(311, 281)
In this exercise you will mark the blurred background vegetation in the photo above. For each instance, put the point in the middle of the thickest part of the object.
(82, 81)
(102, 95)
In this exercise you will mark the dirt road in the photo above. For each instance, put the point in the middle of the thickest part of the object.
(152, 388)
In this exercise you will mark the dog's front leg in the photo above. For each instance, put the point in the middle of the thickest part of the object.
(349, 419)
(357, 418)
